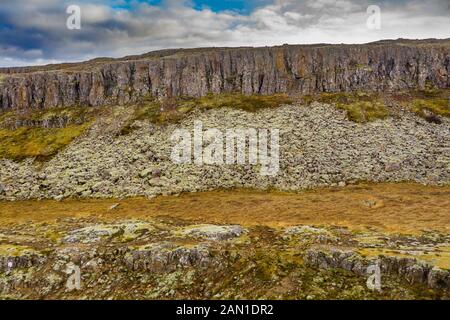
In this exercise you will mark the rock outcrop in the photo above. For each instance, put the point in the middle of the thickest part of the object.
(387, 65)
(410, 269)
(162, 258)
(16, 257)
(166, 256)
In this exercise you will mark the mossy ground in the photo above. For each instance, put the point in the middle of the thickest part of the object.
(267, 262)
(172, 110)
(436, 102)
(249, 103)
(360, 107)
(440, 258)
(75, 114)
(11, 250)
(37, 141)
(267, 265)
(370, 106)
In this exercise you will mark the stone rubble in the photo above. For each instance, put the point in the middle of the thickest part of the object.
(318, 147)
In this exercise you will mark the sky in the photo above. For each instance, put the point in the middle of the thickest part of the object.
(34, 32)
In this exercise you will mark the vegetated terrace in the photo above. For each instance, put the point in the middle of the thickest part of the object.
(23, 133)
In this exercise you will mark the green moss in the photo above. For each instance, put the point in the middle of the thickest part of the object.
(437, 106)
(172, 110)
(365, 111)
(54, 236)
(11, 250)
(2, 79)
(268, 265)
(363, 67)
(429, 103)
(250, 103)
(37, 142)
(360, 107)
(439, 258)
(75, 114)
(4, 116)
(365, 107)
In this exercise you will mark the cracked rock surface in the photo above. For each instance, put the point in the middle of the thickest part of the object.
(163, 258)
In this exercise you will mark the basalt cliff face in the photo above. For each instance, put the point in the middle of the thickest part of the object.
(386, 65)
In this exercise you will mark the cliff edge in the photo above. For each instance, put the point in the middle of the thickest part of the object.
(292, 69)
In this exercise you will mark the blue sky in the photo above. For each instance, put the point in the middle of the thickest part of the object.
(241, 6)
(34, 31)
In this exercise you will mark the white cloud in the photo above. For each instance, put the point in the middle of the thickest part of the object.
(37, 30)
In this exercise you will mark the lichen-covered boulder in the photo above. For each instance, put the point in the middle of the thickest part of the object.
(167, 256)
(214, 232)
(18, 257)
(410, 269)
(99, 232)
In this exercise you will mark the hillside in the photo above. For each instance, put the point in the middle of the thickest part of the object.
(359, 174)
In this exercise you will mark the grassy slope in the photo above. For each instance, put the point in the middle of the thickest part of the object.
(37, 142)
(24, 142)
(365, 107)
(360, 106)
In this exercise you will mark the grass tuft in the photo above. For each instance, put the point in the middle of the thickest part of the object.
(360, 107)
(250, 103)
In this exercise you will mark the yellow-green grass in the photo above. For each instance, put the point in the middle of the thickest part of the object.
(365, 111)
(360, 107)
(11, 250)
(249, 103)
(37, 142)
(170, 110)
(437, 106)
(439, 258)
(24, 142)
(435, 101)
(76, 114)
(365, 107)
(426, 103)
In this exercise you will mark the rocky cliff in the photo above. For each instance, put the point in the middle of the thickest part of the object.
(380, 66)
